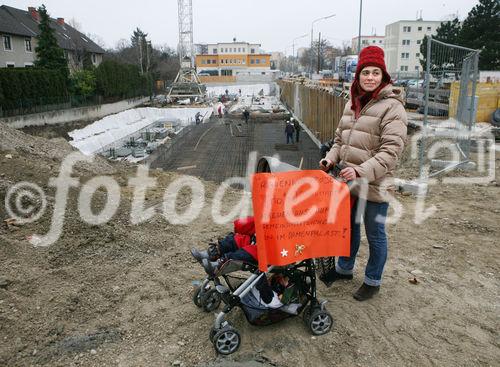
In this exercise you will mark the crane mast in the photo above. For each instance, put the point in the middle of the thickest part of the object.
(187, 83)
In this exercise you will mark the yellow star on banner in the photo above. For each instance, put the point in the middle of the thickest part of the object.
(298, 249)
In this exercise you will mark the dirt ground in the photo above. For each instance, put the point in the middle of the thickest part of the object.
(120, 294)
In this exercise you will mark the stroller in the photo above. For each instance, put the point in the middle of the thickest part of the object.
(300, 299)
(293, 290)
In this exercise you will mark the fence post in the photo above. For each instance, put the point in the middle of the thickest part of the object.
(426, 107)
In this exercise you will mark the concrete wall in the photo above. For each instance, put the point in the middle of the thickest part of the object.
(74, 114)
(255, 78)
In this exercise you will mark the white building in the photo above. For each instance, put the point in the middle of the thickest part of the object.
(367, 41)
(233, 48)
(234, 59)
(402, 44)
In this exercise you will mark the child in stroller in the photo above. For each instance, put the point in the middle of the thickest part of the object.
(236, 251)
(265, 298)
(238, 245)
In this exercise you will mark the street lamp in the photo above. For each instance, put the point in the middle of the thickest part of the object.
(293, 50)
(312, 28)
(359, 32)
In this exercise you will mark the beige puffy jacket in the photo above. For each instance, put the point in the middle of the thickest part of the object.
(373, 143)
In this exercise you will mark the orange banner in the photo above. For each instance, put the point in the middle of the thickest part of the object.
(300, 215)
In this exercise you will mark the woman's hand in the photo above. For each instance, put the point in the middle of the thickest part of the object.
(325, 164)
(348, 174)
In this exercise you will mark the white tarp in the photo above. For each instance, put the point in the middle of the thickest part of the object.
(265, 104)
(115, 128)
(246, 89)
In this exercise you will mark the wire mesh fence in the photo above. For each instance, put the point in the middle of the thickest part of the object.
(448, 119)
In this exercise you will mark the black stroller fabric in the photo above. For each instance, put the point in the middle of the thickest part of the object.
(293, 297)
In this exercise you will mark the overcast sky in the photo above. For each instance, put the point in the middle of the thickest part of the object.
(272, 23)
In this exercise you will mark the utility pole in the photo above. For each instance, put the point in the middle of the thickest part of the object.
(319, 52)
(359, 32)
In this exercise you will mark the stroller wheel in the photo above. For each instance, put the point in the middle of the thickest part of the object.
(212, 333)
(306, 314)
(227, 340)
(210, 300)
(197, 296)
(320, 322)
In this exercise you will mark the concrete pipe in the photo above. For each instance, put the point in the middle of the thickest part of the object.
(272, 165)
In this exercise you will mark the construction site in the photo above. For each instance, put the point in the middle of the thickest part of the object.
(122, 292)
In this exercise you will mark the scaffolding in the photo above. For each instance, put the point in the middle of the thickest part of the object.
(187, 84)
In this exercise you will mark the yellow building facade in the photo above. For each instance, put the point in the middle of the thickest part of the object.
(227, 61)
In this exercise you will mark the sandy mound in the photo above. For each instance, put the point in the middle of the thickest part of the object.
(120, 294)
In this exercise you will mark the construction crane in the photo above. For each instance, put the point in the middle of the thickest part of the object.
(187, 84)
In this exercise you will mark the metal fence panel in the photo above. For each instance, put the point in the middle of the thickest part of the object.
(446, 64)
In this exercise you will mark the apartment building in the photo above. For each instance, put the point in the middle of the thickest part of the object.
(367, 41)
(233, 59)
(402, 44)
(19, 31)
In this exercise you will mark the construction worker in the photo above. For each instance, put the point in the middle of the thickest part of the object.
(297, 128)
(246, 114)
(289, 132)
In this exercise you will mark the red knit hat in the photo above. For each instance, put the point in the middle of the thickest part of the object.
(372, 56)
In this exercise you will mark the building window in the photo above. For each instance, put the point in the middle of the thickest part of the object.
(419, 29)
(404, 68)
(10, 64)
(380, 41)
(406, 42)
(252, 50)
(94, 58)
(27, 44)
(252, 61)
(221, 50)
(243, 62)
(405, 55)
(28, 64)
(257, 61)
(406, 29)
(226, 50)
(263, 61)
(7, 46)
(374, 41)
(429, 29)
(215, 51)
(214, 62)
(419, 42)
(203, 62)
(417, 54)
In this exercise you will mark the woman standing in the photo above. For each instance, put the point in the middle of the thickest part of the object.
(368, 143)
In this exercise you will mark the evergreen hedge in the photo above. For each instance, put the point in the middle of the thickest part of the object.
(116, 80)
(31, 86)
(24, 90)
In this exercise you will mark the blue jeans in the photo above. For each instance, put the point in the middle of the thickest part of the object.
(289, 138)
(377, 241)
